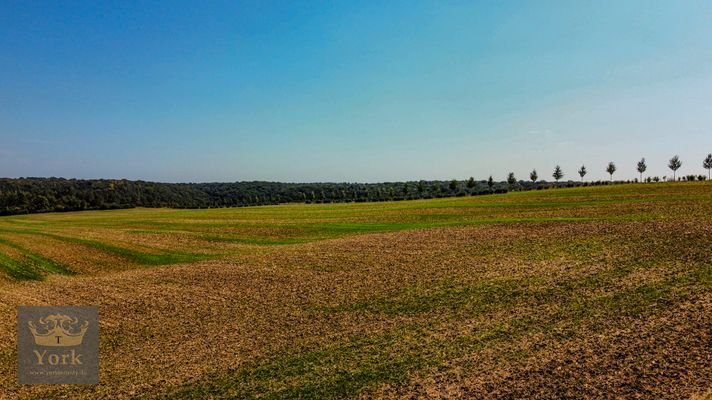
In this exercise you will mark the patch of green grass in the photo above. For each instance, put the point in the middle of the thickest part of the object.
(634, 302)
(133, 255)
(462, 296)
(330, 373)
(447, 295)
(17, 270)
(5, 229)
(261, 241)
(35, 260)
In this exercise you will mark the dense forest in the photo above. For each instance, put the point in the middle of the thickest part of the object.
(31, 195)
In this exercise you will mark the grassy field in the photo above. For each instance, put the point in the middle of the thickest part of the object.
(600, 292)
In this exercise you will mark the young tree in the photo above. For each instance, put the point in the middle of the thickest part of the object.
(611, 169)
(511, 180)
(490, 183)
(471, 183)
(558, 173)
(533, 175)
(582, 172)
(707, 163)
(642, 167)
(674, 165)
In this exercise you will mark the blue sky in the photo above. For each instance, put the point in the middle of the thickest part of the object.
(352, 91)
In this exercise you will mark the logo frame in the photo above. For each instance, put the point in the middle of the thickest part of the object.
(58, 345)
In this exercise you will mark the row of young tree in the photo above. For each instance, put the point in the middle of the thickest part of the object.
(31, 195)
(674, 164)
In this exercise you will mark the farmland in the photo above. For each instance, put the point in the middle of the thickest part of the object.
(583, 292)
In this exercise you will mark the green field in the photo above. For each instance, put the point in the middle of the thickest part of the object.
(562, 293)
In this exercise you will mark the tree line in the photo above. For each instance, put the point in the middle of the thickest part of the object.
(674, 164)
(32, 195)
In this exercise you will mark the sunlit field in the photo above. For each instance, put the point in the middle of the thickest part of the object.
(560, 293)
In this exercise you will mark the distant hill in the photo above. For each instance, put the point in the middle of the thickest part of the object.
(31, 195)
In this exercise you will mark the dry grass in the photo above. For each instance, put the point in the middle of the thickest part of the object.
(583, 293)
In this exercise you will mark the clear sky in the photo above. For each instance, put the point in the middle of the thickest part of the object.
(352, 90)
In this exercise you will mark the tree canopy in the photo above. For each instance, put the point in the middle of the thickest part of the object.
(558, 173)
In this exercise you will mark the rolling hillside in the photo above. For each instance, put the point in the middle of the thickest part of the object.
(572, 293)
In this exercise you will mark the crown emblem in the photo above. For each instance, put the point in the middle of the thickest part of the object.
(58, 330)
